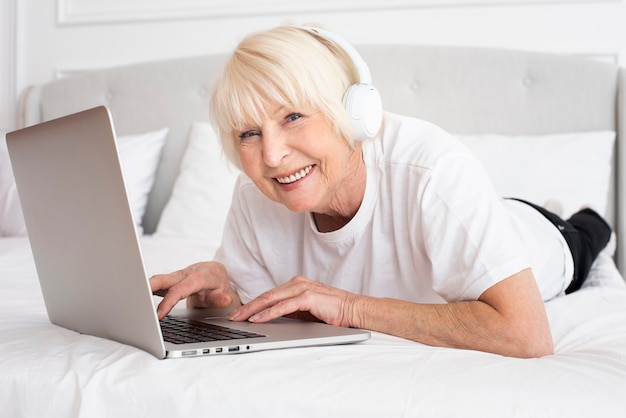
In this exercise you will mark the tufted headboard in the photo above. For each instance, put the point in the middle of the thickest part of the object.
(464, 90)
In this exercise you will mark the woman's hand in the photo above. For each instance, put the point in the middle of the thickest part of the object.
(328, 304)
(205, 285)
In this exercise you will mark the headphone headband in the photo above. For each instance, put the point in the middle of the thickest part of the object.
(365, 76)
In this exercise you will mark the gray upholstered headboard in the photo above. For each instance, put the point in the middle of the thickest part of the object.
(464, 90)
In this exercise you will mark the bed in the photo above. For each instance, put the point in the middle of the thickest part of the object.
(549, 128)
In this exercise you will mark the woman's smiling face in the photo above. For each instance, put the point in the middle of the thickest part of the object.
(295, 158)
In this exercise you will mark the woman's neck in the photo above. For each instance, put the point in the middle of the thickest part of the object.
(347, 199)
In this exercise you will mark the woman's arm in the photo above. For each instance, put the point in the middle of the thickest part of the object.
(509, 318)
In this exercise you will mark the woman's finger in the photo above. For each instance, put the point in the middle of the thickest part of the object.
(265, 300)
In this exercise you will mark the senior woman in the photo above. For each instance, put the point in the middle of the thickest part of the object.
(402, 233)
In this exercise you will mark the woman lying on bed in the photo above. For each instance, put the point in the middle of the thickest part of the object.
(401, 233)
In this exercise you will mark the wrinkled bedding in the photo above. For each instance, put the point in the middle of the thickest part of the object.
(53, 372)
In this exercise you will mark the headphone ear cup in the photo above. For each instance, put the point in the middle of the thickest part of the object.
(365, 109)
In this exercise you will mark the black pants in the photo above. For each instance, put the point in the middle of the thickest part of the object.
(586, 234)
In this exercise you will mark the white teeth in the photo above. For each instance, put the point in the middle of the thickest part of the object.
(296, 176)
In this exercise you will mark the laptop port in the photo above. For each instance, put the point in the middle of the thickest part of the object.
(233, 349)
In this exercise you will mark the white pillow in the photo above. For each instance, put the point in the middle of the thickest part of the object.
(571, 168)
(203, 190)
(139, 156)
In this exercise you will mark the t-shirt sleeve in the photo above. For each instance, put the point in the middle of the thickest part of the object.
(239, 249)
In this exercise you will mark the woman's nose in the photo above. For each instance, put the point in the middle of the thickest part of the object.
(275, 149)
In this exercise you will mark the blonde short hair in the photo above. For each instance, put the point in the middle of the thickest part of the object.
(289, 66)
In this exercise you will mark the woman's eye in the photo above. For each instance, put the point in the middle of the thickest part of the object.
(248, 135)
(294, 116)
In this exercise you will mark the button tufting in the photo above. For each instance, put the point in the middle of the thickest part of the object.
(415, 85)
(527, 81)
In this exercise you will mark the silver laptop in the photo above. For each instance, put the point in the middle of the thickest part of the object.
(89, 260)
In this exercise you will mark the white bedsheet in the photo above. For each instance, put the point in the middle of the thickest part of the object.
(48, 371)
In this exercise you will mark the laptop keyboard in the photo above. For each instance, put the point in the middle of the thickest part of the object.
(184, 331)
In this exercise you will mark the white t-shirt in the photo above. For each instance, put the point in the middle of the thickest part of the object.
(430, 229)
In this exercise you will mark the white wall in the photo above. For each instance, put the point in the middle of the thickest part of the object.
(38, 47)
(7, 58)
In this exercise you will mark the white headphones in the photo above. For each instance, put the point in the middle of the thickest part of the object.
(362, 101)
